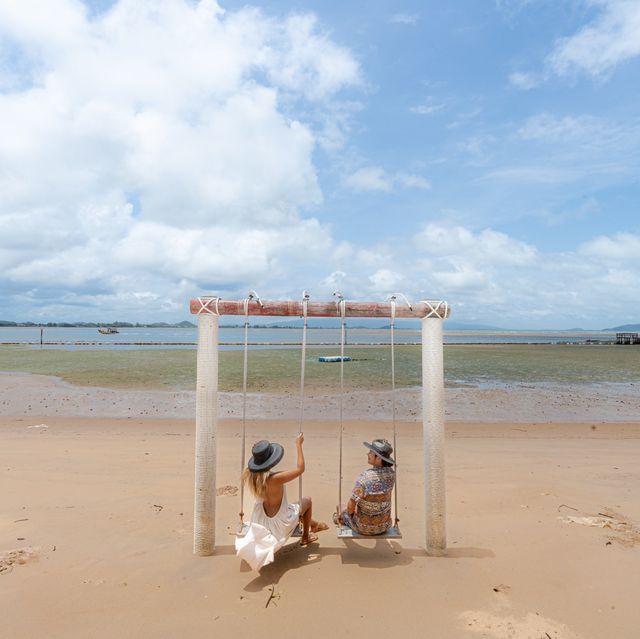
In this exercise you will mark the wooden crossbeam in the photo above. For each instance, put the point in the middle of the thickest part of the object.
(287, 308)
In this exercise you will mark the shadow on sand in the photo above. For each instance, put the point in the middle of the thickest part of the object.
(382, 554)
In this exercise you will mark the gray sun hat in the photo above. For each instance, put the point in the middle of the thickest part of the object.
(382, 448)
(265, 455)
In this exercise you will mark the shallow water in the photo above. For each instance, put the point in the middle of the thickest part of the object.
(233, 338)
(275, 370)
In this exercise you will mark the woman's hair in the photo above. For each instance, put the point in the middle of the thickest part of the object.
(385, 463)
(257, 482)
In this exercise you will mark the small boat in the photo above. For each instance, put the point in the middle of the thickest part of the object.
(334, 358)
(109, 330)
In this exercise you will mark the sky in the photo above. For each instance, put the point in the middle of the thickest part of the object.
(486, 153)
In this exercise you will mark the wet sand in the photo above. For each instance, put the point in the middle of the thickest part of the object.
(34, 395)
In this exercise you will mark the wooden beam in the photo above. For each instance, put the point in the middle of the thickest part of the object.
(288, 308)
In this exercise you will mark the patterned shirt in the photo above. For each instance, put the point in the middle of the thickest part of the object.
(372, 494)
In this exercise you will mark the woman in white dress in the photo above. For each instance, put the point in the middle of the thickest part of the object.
(274, 518)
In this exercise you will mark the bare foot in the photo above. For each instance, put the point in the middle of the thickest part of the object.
(305, 541)
(318, 526)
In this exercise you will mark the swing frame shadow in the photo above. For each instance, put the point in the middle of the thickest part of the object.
(294, 557)
(210, 308)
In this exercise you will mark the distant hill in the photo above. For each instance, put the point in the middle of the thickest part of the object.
(184, 324)
(461, 326)
(625, 328)
(357, 322)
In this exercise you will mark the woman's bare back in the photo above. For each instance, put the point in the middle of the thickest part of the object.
(273, 499)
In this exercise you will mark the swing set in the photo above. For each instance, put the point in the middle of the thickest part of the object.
(209, 309)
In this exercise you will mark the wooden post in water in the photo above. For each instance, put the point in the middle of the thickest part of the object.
(209, 309)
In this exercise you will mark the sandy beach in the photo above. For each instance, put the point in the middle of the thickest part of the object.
(96, 520)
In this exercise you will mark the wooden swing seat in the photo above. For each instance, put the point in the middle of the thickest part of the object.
(344, 532)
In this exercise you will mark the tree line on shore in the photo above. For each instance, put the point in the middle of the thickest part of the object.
(184, 324)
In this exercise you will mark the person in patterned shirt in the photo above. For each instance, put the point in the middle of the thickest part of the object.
(368, 511)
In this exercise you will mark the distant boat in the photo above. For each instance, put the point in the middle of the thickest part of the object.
(333, 358)
(108, 331)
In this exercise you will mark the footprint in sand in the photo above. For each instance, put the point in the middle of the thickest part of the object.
(228, 491)
(531, 626)
(20, 556)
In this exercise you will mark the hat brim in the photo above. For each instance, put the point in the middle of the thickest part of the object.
(276, 455)
(375, 452)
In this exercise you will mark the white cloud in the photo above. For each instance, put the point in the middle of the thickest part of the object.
(548, 126)
(460, 279)
(623, 248)
(374, 178)
(308, 62)
(534, 175)
(384, 281)
(478, 148)
(428, 107)
(334, 280)
(404, 18)
(555, 150)
(486, 247)
(369, 178)
(166, 148)
(499, 279)
(155, 144)
(411, 181)
(524, 81)
(612, 38)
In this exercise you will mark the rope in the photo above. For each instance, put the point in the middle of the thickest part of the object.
(204, 305)
(305, 301)
(341, 309)
(251, 295)
(393, 401)
(392, 299)
(434, 311)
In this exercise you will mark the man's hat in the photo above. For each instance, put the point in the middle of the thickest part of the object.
(382, 448)
(264, 455)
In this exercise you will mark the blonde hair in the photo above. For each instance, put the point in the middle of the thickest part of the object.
(256, 481)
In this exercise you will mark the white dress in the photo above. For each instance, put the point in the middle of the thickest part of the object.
(267, 534)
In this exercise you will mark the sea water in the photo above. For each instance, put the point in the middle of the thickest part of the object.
(233, 337)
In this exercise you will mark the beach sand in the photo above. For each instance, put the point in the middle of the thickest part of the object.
(96, 528)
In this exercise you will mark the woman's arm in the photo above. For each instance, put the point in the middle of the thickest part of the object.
(285, 476)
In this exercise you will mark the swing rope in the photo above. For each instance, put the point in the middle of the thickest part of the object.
(393, 403)
(305, 301)
(251, 295)
(341, 309)
(392, 299)
(343, 531)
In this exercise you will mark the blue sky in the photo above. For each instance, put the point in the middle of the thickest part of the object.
(486, 153)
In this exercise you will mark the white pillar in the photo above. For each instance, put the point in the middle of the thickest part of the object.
(433, 435)
(206, 424)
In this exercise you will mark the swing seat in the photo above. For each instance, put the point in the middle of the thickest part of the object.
(344, 532)
(244, 529)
